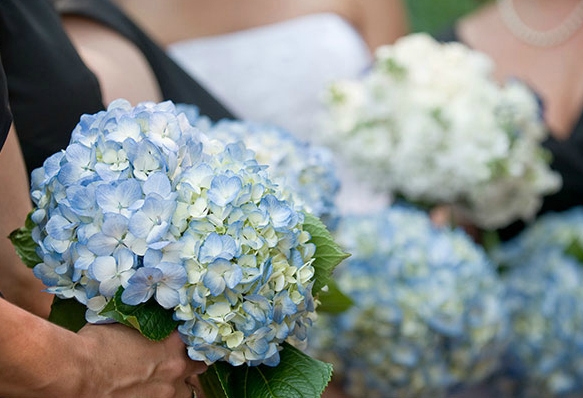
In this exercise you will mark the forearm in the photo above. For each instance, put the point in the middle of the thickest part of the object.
(38, 359)
(17, 283)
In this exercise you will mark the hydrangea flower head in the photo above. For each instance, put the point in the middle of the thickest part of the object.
(544, 278)
(144, 203)
(430, 124)
(307, 171)
(427, 312)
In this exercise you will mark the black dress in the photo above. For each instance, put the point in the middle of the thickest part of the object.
(5, 116)
(50, 87)
(567, 161)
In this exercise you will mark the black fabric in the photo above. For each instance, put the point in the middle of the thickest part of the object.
(567, 161)
(175, 83)
(49, 87)
(5, 116)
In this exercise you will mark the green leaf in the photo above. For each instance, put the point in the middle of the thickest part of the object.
(68, 313)
(332, 300)
(297, 376)
(152, 320)
(328, 253)
(215, 381)
(575, 250)
(25, 247)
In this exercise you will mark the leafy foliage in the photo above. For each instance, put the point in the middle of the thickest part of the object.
(153, 321)
(25, 247)
(328, 253)
(297, 375)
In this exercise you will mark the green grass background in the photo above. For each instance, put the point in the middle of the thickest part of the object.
(434, 16)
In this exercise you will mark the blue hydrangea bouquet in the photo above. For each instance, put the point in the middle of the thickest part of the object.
(145, 220)
(428, 315)
(543, 277)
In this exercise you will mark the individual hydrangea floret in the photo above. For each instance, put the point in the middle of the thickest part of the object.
(429, 123)
(427, 314)
(304, 170)
(144, 203)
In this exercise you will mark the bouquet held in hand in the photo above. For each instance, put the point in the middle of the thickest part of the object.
(543, 278)
(428, 123)
(144, 220)
(427, 315)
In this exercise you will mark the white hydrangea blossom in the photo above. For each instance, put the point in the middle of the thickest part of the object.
(430, 124)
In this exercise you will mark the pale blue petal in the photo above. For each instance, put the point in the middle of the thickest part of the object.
(104, 267)
(101, 244)
(214, 282)
(217, 246)
(158, 183)
(233, 276)
(224, 189)
(141, 285)
(167, 297)
(60, 228)
(174, 275)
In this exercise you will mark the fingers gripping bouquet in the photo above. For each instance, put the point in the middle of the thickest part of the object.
(146, 221)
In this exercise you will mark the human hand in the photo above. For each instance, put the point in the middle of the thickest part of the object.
(449, 216)
(126, 364)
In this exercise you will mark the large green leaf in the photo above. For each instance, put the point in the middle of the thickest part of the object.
(575, 250)
(25, 247)
(328, 253)
(153, 321)
(297, 376)
(68, 313)
(332, 300)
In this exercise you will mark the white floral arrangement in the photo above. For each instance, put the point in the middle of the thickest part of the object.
(146, 221)
(544, 275)
(429, 123)
(427, 314)
(307, 171)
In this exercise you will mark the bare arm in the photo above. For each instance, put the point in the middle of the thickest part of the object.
(122, 70)
(40, 359)
(17, 283)
(382, 21)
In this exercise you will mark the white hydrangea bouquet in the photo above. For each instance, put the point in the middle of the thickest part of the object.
(544, 275)
(428, 314)
(146, 221)
(428, 123)
(301, 169)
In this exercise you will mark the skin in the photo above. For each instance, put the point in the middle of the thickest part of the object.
(378, 21)
(120, 67)
(40, 359)
(554, 73)
(17, 283)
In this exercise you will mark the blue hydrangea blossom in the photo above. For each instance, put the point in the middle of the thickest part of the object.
(307, 171)
(544, 278)
(144, 202)
(427, 314)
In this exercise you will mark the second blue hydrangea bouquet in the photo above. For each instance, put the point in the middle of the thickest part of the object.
(428, 316)
(146, 221)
